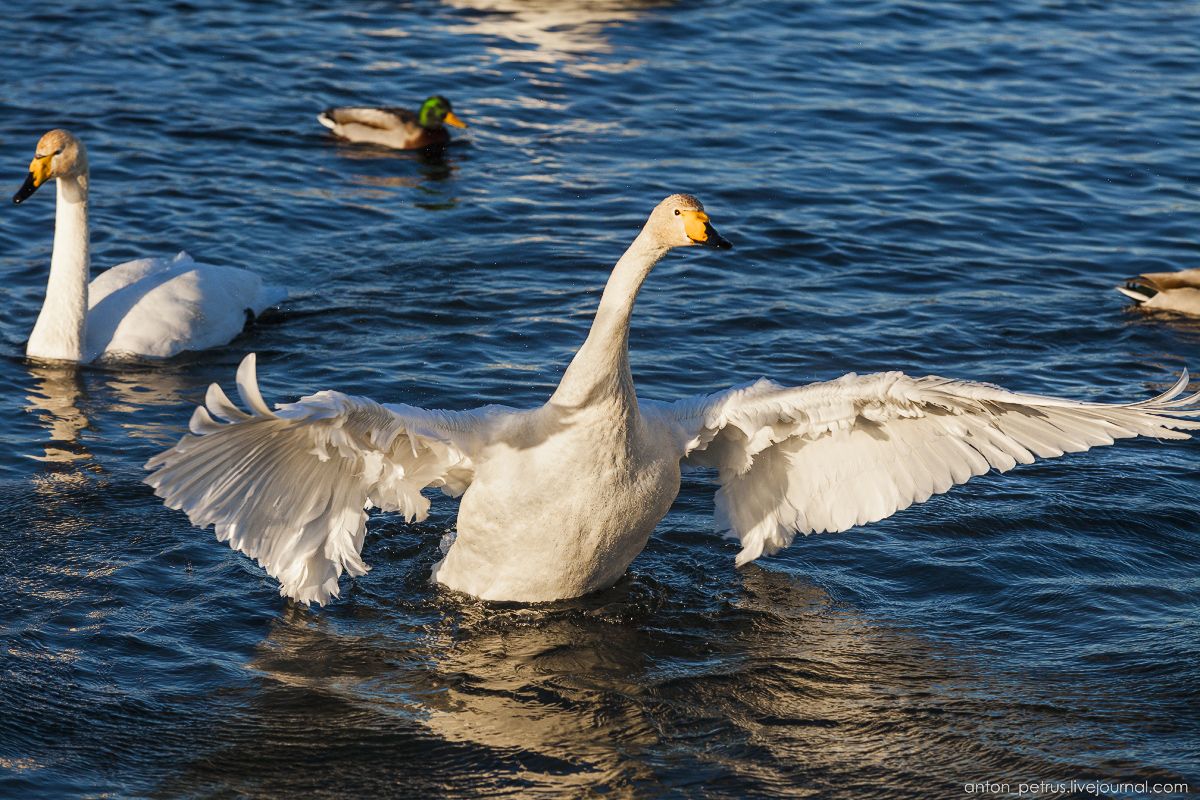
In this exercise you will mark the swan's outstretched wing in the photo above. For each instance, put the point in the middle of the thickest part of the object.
(829, 456)
(291, 487)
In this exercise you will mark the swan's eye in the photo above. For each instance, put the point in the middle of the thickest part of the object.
(677, 212)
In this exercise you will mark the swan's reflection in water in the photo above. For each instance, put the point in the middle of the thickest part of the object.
(605, 690)
(132, 389)
(552, 30)
(64, 397)
(56, 400)
(558, 686)
(746, 682)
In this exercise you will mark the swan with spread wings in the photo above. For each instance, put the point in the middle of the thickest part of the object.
(557, 501)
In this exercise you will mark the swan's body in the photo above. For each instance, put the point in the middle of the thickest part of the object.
(557, 501)
(1166, 291)
(153, 307)
(520, 536)
(398, 128)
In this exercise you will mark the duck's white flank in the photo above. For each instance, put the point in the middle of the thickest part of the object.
(1166, 291)
(558, 500)
(155, 307)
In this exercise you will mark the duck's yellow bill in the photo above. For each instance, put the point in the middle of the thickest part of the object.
(453, 120)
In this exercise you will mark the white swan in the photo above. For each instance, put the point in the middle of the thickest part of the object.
(558, 500)
(1166, 291)
(150, 307)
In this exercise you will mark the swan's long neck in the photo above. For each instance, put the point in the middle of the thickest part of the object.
(61, 328)
(600, 370)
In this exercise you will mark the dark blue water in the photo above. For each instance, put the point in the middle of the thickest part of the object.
(934, 187)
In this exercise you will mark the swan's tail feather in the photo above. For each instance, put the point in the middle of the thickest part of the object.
(326, 118)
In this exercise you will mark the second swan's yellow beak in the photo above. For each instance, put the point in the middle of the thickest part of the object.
(39, 173)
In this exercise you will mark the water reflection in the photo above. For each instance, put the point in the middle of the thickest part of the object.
(131, 389)
(586, 689)
(525, 682)
(62, 400)
(56, 401)
(1184, 323)
(746, 681)
(551, 30)
(435, 166)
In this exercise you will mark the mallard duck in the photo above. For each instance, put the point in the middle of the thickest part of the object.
(558, 500)
(394, 127)
(154, 307)
(1166, 291)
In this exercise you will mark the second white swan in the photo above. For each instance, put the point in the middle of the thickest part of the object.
(155, 307)
(558, 500)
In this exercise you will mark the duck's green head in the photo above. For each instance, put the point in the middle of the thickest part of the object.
(436, 110)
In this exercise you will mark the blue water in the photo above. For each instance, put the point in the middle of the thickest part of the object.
(934, 187)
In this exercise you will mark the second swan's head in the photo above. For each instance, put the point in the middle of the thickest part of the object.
(680, 221)
(59, 155)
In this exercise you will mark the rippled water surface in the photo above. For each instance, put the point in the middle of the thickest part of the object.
(939, 188)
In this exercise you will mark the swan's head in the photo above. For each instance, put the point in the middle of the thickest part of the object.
(436, 111)
(59, 155)
(680, 221)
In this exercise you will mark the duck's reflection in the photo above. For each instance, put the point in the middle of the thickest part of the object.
(434, 163)
(549, 30)
(435, 166)
(1183, 323)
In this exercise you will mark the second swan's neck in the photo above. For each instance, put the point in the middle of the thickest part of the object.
(600, 370)
(61, 328)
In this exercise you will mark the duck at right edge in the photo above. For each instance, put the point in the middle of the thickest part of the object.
(1165, 291)
(558, 500)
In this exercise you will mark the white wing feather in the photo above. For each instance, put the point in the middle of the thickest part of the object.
(829, 456)
(291, 487)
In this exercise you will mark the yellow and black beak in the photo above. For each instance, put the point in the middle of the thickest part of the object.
(453, 120)
(39, 173)
(700, 230)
